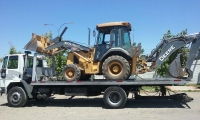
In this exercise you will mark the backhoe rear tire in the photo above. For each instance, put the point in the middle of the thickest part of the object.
(71, 72)
(116, 68)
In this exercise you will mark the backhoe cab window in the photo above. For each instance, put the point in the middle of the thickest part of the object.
(115, 38)
(103, 38)
(100, 38)
(126, 43)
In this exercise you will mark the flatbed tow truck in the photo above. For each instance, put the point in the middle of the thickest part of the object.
(23, 77)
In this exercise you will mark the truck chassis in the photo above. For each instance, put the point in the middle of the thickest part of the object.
(115, 93)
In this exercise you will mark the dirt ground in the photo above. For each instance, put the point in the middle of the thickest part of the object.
(60, 108)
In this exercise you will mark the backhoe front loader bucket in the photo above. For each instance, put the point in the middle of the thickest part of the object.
(38, 44)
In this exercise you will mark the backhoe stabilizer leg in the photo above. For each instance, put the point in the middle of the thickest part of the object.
(190, 73)
(192, 54)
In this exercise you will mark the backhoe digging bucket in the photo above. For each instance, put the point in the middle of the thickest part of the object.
(175, 69)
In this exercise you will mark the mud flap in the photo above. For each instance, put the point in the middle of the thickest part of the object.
(175, 69)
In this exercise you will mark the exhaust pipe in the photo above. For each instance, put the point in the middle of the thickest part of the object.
(88, 37)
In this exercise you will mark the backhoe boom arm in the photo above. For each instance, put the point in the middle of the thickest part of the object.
(168, 46)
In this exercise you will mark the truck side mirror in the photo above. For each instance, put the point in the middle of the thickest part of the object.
(3, 73)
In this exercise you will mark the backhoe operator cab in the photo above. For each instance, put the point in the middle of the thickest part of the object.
(113, 38)
(111, 56)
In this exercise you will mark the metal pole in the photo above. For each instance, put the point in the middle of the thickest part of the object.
(34, 76)
(64, 24)
(133, 36)
(88, 37)
(58, 29)
(54, 26)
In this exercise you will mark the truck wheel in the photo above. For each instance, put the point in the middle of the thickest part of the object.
(17, 97)
(114, 97)
(71, 72)
(116, 68)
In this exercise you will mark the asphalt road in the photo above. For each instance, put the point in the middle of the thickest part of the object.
(60, 108)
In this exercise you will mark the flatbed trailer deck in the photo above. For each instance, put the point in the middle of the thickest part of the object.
(131, 82)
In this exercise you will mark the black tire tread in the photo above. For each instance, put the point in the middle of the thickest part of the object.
(77, 72)
(121, 59)
(114, 88)
(23, 93)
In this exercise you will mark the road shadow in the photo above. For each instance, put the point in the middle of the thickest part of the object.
(98, 102)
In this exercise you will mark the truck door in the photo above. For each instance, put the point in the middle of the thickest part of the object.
(10, 70)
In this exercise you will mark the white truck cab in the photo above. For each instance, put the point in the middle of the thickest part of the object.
(12, 68)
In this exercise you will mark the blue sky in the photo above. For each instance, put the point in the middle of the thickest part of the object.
(150, 19)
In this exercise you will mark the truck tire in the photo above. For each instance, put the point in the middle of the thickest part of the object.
(71, 72)
(114, 97)
(116, 68)
(17, 97)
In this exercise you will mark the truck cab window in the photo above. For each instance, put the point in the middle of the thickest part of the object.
(30, 63)
(13, 62)
(39, 63)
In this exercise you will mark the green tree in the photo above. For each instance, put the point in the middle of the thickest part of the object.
(47, 58)
(135, 44)
(12, 50)
(60, 58)
(19, 52)
(1, 59)
(163, 69)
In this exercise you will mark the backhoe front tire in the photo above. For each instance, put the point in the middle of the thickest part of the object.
(71, 72)
(116, 68)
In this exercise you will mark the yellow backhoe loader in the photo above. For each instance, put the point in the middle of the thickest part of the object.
(112, 56)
